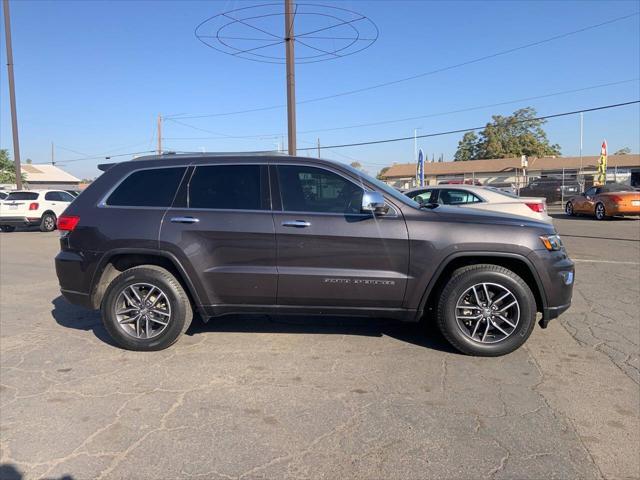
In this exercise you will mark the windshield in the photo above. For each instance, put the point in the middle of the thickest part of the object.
(383, 186)
(22, 196)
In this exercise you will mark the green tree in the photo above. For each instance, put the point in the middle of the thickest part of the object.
(382, 171)
(623, 151)
(467, 148)
(7, 168)
(510, 136)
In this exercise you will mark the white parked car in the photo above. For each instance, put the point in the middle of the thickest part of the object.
(33, 207)
(482, 198)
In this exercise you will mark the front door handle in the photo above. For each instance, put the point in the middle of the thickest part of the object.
(296, 223)
(185, 220)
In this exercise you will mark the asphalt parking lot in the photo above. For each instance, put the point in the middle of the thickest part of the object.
(294, 397)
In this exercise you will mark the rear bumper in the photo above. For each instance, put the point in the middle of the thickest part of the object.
(623, 210)
(19, 221)
(75, 272)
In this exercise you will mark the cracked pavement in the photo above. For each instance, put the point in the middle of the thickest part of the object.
(295, 397)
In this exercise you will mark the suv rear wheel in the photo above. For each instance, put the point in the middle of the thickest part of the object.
(145, 308)
(486, 310)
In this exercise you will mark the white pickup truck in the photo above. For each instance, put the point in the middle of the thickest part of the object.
(33, 207)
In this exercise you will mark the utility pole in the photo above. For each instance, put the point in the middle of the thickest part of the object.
(415, 144)
(12, 94)
(159, 134)
(581, 134)
(52, 155)
(291, 75)
(318, 147)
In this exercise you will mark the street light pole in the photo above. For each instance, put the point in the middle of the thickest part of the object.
(12, 94)
(291, 75)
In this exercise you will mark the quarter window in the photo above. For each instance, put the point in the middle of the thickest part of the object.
(154, 187)
(457, 197)
(232, 187)
(310, 189)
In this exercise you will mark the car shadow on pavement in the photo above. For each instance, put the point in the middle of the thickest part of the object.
(72, 316)
(423, 334)
(10, 472)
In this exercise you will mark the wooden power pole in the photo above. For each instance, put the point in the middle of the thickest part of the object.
(291, 75)
(159, 134)
(12, 94)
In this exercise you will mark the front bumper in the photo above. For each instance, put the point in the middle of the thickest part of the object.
(19, 221)
(556, 272)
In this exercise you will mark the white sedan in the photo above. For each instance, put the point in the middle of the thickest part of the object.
(482, 198)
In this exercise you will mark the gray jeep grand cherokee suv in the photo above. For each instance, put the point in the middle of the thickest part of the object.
(152, 240)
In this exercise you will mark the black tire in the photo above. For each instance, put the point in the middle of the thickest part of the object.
(48, 222)
(7, 228)
(600, 212)
(460, 282)
(568, 209)
(179, 305)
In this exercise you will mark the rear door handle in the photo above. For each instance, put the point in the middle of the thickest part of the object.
(296, 223)
(185, 220)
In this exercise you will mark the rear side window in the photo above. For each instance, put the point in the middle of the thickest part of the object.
(52, 196)
(457, 197)
(148, 188)
(23, 196)
(229, 187)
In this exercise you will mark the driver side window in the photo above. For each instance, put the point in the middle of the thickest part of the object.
(591, 192)
(311, 189)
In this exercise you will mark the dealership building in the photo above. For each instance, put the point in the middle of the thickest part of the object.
(505, 172)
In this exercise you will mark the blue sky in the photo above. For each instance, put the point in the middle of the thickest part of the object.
(93, 76)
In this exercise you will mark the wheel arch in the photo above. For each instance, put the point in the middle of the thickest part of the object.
(119, 260)
(518, 264)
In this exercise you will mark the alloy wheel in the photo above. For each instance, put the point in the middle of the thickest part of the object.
(487, 312)
(599, 211)
(568, 209)
(142, 310)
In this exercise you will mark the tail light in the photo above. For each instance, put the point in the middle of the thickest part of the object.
(33, 206)
(615, 198)
(68, 223)
(536, 207)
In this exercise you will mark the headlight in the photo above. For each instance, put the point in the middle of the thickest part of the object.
(551, 242)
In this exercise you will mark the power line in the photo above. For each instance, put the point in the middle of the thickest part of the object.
(405, 119)
(461, 130)
(103, 157)
(420, 75)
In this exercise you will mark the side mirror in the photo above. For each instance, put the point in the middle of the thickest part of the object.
(373, 202)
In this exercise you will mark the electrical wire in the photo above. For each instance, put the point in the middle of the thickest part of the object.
(461, 130)
(419, 75)
(400, 120)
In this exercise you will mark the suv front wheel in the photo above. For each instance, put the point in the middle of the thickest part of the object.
(145, 308)
(486, 310)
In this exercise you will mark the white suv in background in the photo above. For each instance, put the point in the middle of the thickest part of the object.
(33, 207)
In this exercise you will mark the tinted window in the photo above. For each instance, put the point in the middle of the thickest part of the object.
(52, 196)
(23, 196)
(148, 188)
(457, 197)
(234, 187)
(591, 192)
(66, 197)
(310, 189)
(3, 195)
